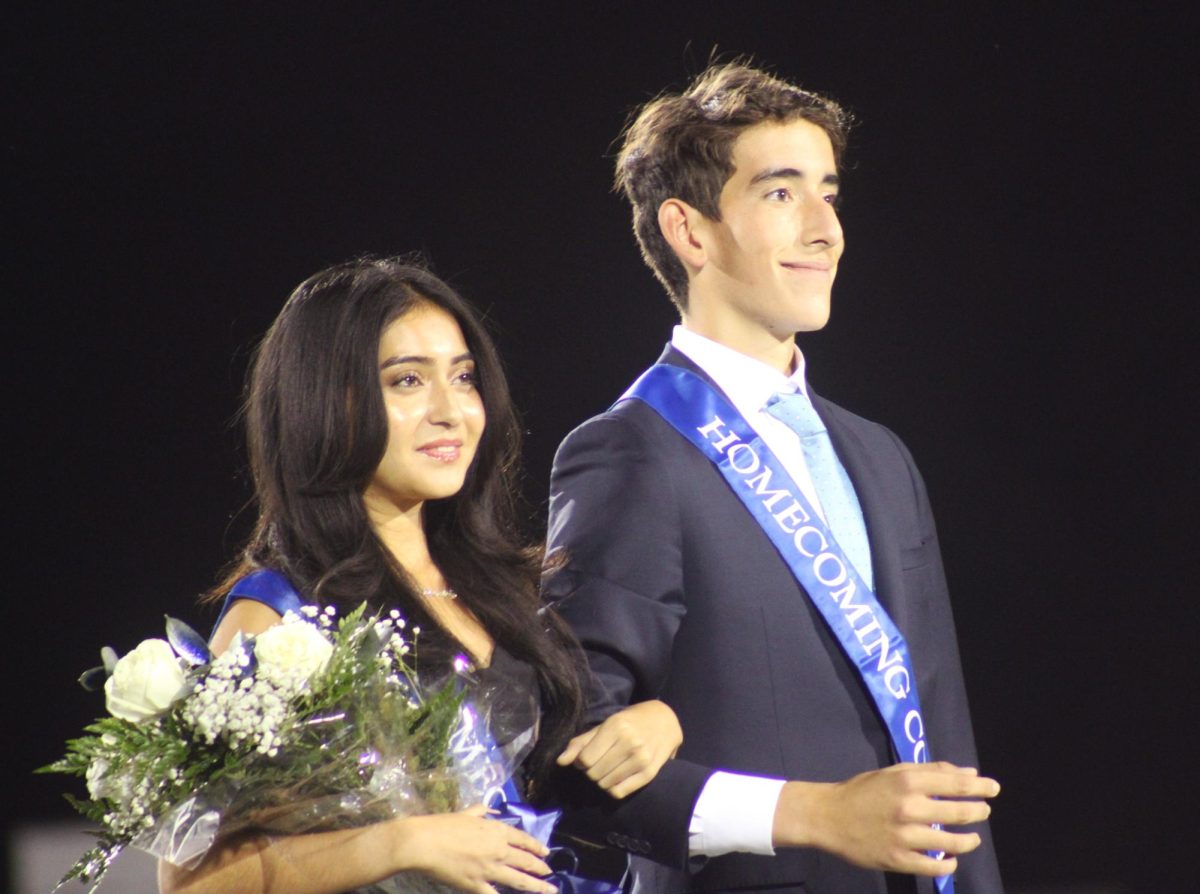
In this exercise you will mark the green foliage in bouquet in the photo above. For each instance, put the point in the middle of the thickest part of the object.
(314, 724)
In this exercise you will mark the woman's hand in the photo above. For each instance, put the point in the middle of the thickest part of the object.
(471, 852)
(628, 749)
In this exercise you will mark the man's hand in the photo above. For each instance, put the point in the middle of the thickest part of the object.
(884, 819)
(628, 749)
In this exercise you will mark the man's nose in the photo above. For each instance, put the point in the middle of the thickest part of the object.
(821, 223)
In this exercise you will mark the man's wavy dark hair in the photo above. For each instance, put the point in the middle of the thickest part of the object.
(680, 145)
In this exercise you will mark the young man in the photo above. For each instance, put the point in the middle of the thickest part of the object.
(757, 557)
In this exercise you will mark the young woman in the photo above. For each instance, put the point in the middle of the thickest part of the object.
(384, 448)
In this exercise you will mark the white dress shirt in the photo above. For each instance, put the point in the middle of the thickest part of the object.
(736, 812)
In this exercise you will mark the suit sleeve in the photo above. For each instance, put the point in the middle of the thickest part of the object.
(614, 520)
(978, 871)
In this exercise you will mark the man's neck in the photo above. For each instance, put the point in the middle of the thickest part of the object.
(753, 341)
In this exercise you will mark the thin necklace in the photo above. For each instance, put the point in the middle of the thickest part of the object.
(439, 594)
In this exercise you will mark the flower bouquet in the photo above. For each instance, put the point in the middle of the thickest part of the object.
(317, 723)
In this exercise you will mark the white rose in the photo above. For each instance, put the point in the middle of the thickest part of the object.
(297, 650)
(145, 682)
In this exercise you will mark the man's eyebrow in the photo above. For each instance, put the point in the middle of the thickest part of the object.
(793, 173)
(422, 360)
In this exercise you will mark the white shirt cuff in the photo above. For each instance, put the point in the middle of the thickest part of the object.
(734, 813)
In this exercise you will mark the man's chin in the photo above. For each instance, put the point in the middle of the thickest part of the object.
(811, 322)
(806, 313)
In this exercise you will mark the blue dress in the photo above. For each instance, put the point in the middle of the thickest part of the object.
(267, 586)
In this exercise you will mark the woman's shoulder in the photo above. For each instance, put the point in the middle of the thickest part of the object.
(255, 601)
(268, 586)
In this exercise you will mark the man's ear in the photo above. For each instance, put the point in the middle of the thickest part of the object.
(683, 228)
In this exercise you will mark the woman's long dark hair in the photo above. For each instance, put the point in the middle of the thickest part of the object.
(317, 431)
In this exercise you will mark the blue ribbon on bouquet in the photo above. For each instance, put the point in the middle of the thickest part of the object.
(512, 810)
(540, 825)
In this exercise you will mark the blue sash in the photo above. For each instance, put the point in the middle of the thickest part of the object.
(863, 628)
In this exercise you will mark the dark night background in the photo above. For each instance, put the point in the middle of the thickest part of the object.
(1017, 301)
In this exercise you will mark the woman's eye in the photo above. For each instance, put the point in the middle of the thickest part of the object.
(406, 380)
(467, 377)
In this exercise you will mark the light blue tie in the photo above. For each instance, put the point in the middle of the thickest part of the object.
(843, 514)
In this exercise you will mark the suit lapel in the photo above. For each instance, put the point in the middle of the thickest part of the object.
(864, 476)
(881, 531)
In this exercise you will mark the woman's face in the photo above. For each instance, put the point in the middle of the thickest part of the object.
(434, 412)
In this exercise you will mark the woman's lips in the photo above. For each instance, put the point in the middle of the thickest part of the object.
(442, 451)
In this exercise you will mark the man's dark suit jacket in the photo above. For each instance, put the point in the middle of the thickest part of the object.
(677, 594)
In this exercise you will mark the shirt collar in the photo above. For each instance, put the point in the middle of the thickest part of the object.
(747, 382)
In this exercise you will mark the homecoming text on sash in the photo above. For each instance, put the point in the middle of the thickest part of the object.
(862, 626)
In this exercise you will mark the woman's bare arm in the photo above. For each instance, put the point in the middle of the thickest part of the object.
(465, 849)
